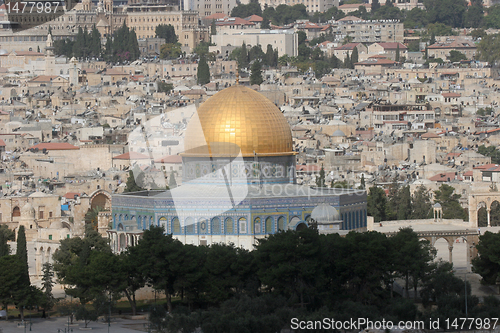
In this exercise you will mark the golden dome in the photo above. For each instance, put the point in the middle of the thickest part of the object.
(238, 116)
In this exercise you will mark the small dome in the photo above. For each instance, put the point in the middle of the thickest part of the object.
(27, 211)
(325, 213)
(3, 51)
(437, 205)
(56, 225)
(338, 133)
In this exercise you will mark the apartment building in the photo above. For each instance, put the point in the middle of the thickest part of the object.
(312, 6)
(397, 117)
(371, 31)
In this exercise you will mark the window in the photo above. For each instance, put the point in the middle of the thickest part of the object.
(243, 225)
(50, 237)
(40, 215)
(269, 225)
(215, 226)
(228, 226)
(16, 212)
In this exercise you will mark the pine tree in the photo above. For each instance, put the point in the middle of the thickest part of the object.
(203, 73)
(375, 5)
(256, 76)
(47, 284)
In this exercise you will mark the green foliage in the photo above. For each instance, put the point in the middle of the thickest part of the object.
(320, 179)
(243, 60)
(166, 31)
(332, 13)
(131, 185)
(271, 57)
(377, 204)
(202, 49)
(492, 20)
(486, 263)
(441, 283)
(439, 29)
(170, 51)
(284, 14)
(485, 112)
(414, 46)
(489, 49)
(456, 56)
(165, 87)
(474, 16)
(48, 300)
(478, 33)
(203, 73)
(213, 28)
(341, 184)
(490, 151)
(244, 11)
(10, 279)
(416, 19)
(124, 45)
(5, 235)
(449, 202)
(92, 218)
(22, 254)
(86, 44)
(355, 56)
(256, 76)
(421, 204)
(448, 12)
(397, 53)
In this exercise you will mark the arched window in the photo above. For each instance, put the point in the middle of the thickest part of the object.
(242, 222)
(215, 226)
(269, 225)
(189, 225)
(162, 222)
(256, 225)
(281, 223)
(228, 226)
(16, 212)
(176, 226)
(139, 220)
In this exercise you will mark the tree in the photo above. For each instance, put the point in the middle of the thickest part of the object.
(489, 48)
(170, 51)
(375, 5)
(355, 57)
(5, 235)
(449, 202)
(347, 61)
(456, 56)
(490, 151)
(22, 295)
(48, 300)
(486, 263)
(95, 42)
(10, 279)
(474, 15)
(172, 183)
(320, 179)
(203, 72)
(167, 31)
(243, 11)
(213, 28)
(362, 186)
(134, 278)
(377, 204)
(449, 12)
(412, 258)
(131, 185)
(243, 57)
(256, 76)
(397, 53)
(421, 204)
(270, 60)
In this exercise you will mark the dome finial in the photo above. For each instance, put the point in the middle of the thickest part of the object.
(237, 76)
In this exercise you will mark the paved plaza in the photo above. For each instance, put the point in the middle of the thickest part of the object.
(60, 324)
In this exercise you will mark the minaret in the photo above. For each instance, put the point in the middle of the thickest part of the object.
(49, 56)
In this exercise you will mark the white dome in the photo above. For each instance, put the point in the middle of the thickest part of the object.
(27, 211)
(338, 133)
(325, 213)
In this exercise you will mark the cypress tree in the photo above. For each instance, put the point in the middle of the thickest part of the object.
(4, 247)
(203, 73)
(133, 46)
(243, 59)
(79, 43)
(397, 53)
(354, 56)
(269, 56)
(213, 28)
(22, 252)
(347, 61)
(256, 76)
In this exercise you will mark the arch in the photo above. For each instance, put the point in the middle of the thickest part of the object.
(120, 227)
(16, 211)
(256, 225)
(269, 225)
(242, 225)
(189, 225)
(139, 222)
(495, 213)
(215, 226)
(175, 227)
(48, 254)
(202, 226)
(281, 223)
(101, 199)
(162, 221)
(482, 217)
(228, 226)
(301, 226)
(122, 242)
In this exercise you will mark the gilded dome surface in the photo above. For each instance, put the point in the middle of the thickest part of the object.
(238, 117)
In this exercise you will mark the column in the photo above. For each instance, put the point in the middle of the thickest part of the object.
(489, 219)
(450, 249)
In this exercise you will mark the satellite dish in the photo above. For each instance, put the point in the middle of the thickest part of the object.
(36, 150)
(32, 150)
(44, 150)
